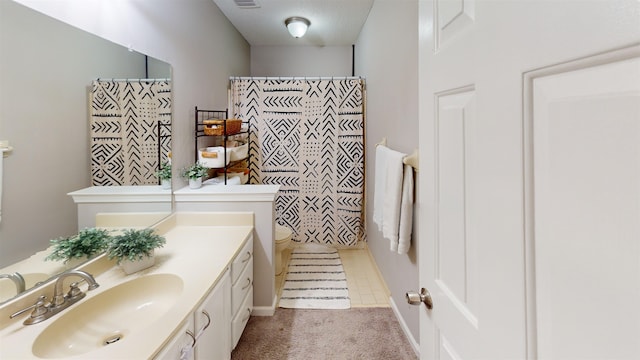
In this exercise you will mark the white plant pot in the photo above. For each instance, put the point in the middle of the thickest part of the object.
(130, 267)
(195, 183)
(165, 183)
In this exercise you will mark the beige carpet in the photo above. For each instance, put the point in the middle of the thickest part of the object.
(357, 333)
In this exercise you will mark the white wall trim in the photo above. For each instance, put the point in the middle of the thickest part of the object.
(265, 310)
(414, 344)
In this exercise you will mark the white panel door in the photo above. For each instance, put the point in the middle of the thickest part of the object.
(455, 248)
(530, 179)
(585, 208)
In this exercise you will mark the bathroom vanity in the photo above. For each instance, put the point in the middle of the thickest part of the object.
(194, 302)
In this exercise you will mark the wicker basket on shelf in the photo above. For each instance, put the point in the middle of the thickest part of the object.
(216, 126)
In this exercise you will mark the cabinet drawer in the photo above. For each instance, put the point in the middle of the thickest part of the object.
(241, 319)
(241, 288)
(244, 257)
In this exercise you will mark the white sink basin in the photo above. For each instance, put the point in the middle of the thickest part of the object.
(108, 318)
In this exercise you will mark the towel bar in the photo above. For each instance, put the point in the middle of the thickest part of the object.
(412, 160)
(5, 148)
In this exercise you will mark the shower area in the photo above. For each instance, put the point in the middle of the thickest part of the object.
(307, 135)
(130, 130)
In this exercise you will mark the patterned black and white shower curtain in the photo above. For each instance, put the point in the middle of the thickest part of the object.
(130, 124)
(308, 136)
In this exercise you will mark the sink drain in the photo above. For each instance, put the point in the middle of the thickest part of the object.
(112, 339)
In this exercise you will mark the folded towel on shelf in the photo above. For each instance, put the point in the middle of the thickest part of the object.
(406, 212)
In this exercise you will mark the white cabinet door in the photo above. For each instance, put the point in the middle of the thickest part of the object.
(213, 323)
(182, 340)
(529, 179)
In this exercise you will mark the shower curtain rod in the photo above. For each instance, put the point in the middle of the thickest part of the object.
(134, 80)
(296, 78)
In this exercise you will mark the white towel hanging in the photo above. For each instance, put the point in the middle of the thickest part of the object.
(5, 149)
(379, 185)
(406, 212)
(393, 196)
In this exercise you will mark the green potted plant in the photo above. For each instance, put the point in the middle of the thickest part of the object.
(195, 173)
(77, 248)
(164, 174)
(134, 249)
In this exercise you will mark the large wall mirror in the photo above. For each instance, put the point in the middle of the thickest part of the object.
(46, 69)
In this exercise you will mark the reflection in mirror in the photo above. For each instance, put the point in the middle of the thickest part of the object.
(47, 68)
(130, 130)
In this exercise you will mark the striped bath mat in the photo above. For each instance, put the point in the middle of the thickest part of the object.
(315, 280)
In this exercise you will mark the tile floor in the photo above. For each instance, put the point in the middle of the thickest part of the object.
(366, 287)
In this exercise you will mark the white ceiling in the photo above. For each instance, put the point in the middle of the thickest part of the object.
(333, 22)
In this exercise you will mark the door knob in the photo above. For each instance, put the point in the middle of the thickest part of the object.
(414, 298)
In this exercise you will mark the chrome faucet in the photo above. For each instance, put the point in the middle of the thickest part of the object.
(60, 299)
(42, 310)
(17, 279)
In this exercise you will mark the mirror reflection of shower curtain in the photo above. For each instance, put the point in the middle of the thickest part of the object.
(307, 135)
(128, 142)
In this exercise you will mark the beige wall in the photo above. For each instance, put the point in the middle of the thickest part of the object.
(387, 56)
(203, 48)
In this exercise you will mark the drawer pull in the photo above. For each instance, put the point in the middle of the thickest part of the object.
(248, 284)
(187, 350)
(205, 313)
(248, 316)
(193, 337)
(248, 257)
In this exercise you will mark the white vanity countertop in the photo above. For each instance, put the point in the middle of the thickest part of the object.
(232, 193)
(114, 194)
(199, 248)
(37, 265)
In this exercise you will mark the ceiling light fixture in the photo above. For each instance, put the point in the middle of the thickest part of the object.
(297, 26)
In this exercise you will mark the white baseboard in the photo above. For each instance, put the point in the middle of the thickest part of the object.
(265, 310)
(414, 344)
